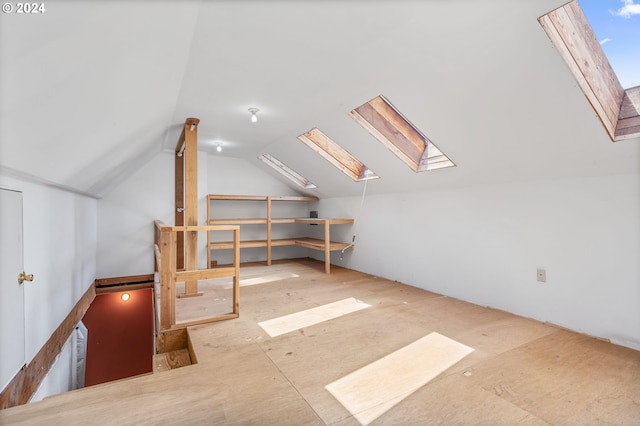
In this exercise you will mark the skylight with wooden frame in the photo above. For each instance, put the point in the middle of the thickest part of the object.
(336, 155)
(380, 118)
(617, 108)
(286, 171)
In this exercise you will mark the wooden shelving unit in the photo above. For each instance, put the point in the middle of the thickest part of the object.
(325, 245)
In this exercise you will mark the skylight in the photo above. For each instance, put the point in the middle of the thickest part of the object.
(616, 25)
(336, 155)
(617, 108)
(389, 126)
(287, 172)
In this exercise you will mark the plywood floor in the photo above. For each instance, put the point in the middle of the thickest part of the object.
(521, 372)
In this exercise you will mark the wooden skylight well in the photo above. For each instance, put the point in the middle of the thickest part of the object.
(380, 118)
(617, 108)
(286, 171)
(336, 155)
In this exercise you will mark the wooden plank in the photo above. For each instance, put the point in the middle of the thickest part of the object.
(608, 86)
(268, 230)
(327, 248)
(629, 128)
(167, 280)
(191, 199)
(629, 122)
(392, 130)
(333, 153)
(131, 279)
(185, 324)
(124, 287)
(239, 221)
(570, 32)
(335, 221)
(236, 275)
(171, 360)
(316, 244)
(172, 340)
(293, 198)
(630, 103)
(237, 197)
(283, 220)
(205, 274)
(276, 242)
(202, 228)
(179, 204)
(26, 382)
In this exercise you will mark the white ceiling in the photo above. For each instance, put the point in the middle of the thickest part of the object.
(92, 90)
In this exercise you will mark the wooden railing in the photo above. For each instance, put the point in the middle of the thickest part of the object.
(166, 253)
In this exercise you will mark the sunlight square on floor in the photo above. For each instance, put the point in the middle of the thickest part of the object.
(371, 391)
(295, 321)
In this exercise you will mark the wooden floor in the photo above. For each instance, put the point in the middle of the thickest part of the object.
(521, 372)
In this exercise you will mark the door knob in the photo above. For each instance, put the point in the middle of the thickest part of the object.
(24, 277)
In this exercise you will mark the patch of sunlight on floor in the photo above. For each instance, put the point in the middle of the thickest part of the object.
(285, 324)
(371, 391)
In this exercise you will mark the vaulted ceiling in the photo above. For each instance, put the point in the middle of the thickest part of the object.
(92, 90)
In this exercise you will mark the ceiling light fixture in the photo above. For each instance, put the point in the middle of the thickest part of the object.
(219, 148)
(254, 117)
(125, 297)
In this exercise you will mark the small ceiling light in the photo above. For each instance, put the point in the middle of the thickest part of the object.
(219, 148)
(125, 297)
(254, 117)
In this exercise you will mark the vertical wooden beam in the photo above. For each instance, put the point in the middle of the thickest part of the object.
(236, 275)
(269, 231)
(327, 248)
(191, 201)
(167, 278)
(208, 232)
(179, 201)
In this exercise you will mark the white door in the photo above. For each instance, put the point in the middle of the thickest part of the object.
(12, 340)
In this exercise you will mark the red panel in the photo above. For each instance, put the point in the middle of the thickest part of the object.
(120, 336)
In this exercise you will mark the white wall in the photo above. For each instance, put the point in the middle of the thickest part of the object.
(126, 215)
(483, 245)
(60, 239)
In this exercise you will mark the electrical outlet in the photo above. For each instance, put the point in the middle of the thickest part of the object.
(542, 275)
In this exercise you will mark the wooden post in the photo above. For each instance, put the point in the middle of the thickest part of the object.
(269, 231)
(179, 200)
(167, 278)
(190, 179)
(236, 276)
(327, 248)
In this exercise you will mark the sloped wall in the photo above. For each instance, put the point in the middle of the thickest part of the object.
(483, 245)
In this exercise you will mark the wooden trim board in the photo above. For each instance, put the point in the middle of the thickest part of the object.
(28, 379)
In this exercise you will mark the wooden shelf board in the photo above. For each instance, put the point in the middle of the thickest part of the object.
(283, 220)
(312, 243)
(294, 198)
(319, 221)
(237, 197)
(224, 245)
(238, 221)
(316, 244)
